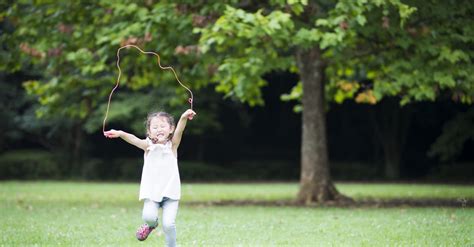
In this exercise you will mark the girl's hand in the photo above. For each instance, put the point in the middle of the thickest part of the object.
(189, 114)
(112, 133)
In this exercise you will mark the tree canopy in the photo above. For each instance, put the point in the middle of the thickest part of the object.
(414, 50)
(71, 48)
(372, 48)
(363, 50)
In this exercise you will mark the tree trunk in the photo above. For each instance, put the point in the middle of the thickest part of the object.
(201, 149)
(392, 159)
(391, 125)
(76, 150)
(315, 182)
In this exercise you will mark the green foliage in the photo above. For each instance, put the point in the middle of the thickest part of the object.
(295, 94)
(67, 52)
(73, 46)
(245, 43)
(456, 132)
(386, 41)
(26, 164)
(454, 171)
(29, 164)
(124, 169)
(415, 50)
(199, 171)
(426, 57)
(404, 48)
(13, 101)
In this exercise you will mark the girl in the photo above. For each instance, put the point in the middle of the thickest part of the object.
(160, 185)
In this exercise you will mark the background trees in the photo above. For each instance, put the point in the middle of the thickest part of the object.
(384, 52)
(69, 50)
(428, 58)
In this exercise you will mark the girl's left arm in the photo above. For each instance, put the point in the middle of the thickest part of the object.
(178, 132)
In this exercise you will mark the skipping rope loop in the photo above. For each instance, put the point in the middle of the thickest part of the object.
(190, 99)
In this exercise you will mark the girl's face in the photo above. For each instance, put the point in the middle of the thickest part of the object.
(160, 129)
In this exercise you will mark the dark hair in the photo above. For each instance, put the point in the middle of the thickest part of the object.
(152, 115)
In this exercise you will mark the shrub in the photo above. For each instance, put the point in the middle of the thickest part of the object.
(265, 170)
(452, 172)
(353, 170)
(199, 171)
(28, 164)
(90, 169)
(129, 168)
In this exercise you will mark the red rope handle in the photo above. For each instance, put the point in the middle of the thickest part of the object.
(190, 100)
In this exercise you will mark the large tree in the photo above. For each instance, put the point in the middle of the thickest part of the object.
(427, 58)
(246, 42)
(69, 48)
(365, 50)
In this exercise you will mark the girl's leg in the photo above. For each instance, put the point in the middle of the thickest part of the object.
(150, 213)
(170, 209)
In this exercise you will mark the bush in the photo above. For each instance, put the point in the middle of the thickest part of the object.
(90, 168)
(458, 172)
(198, 171)
(265, 170)
(353, 171)
(129, 168)
(38, 164)
(239, 171)
(29, 164)
(122, 169)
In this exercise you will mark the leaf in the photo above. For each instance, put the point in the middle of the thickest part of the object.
(361, 20)
(322, 22)
(445, 80)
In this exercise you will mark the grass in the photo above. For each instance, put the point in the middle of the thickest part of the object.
(107, 214)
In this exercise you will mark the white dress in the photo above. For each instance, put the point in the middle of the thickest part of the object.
(160, 175)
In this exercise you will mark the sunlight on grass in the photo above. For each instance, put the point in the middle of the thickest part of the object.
(97, 214)
(201, 192)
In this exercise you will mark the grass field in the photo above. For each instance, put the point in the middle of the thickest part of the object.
(107, 214)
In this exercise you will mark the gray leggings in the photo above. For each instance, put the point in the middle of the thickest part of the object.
(170, 209)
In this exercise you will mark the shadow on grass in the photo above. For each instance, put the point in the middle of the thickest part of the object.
(360, 203)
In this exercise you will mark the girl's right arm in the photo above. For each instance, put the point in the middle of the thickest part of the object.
(132, 139)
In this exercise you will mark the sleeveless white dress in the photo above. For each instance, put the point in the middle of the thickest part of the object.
(160, 175)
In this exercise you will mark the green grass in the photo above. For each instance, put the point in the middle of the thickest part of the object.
(107, 214)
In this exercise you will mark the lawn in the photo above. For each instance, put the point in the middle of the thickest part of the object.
(107, 214)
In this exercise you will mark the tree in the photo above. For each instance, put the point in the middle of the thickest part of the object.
(369, 50)
(71, 48)
(430, 57)
(391, 122)
(304, 37)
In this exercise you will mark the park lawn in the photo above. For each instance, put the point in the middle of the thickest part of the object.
(98, 214)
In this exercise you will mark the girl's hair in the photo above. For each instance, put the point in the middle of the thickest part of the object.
(152, 115)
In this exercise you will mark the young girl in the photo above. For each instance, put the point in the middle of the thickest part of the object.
(160, 185)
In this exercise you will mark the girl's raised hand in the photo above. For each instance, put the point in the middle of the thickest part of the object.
(189, 114)
(112, 133)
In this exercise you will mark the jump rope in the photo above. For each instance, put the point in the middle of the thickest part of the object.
(190, 99)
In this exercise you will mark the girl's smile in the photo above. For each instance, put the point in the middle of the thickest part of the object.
(160, 130)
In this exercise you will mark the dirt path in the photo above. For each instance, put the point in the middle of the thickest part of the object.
(361, 203)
